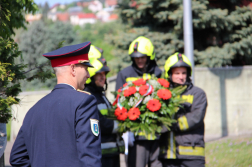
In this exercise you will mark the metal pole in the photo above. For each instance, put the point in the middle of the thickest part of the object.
(188, 33)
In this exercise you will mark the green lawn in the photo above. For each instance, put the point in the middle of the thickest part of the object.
(229, 152)
(8, 130)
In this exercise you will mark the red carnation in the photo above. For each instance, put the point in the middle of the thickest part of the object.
(164, 94)
(121, 114)
(153, 105)
(134, 113)
(124, 85)
(139, 82)
(143, 89)
(119, 90)
(129, 91)
(163, 82)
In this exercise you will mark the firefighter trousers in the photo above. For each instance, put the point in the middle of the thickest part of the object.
(144, 152)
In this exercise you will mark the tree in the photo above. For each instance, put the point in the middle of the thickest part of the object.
(40, 38)
(45, 10)
(222, 30)
(11, 16)
(96, 33)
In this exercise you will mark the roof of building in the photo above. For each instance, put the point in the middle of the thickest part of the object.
(86, 15)
(113, 17)
(55, 5)
(111, 2)
(75, 9)
(63, 16)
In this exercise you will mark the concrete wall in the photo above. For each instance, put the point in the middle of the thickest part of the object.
(27, 100)
(229, 100)
(229, 96)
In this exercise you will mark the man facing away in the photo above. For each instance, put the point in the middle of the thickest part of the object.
(183, 146)
(62, 129)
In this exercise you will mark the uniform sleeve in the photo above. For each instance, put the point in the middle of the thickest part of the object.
(19, 155)
(120, 80)
(88, 144)
(195, 117)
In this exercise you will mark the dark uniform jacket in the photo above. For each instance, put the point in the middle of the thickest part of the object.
(111, 143)
(132, 73)
(186, 140)
(57, 132)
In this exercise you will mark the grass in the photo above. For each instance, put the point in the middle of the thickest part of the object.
(229, 152)
(8, 130)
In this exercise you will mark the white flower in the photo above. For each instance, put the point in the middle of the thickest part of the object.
(147, 98)
(122, 99)
(137, 96)
(154, 83)
(131, 101)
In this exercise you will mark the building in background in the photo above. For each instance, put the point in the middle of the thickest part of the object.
(30, 18)
(95, 6)
(83, 18)
(64, 17)
(76, 15)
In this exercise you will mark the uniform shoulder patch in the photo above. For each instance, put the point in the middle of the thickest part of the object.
(94, 126)
(83, 91)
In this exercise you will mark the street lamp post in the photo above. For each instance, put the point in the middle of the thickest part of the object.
(188, 32)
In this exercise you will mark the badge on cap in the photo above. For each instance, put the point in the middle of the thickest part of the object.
(94, 126)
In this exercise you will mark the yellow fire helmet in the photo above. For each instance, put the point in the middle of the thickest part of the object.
(140, 47)
(98, 61)
(177, 60)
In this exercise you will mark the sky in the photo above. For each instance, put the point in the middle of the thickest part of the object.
(52, 2)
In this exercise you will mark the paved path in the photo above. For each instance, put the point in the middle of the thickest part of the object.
(7, 154)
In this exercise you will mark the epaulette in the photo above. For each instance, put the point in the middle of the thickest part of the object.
(83, 91)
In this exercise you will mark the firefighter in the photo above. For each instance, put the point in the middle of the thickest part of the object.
(141, 51)
(144, 151)
(111, 143)
(183, 145)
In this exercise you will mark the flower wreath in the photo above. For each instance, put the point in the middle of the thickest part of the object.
(146, 105)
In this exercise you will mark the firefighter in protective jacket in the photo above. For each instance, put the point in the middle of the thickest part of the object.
(145, 151)
(184, 145)
(142, 54)
(111, 143)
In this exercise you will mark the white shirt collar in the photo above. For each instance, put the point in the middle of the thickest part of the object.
(68, 84)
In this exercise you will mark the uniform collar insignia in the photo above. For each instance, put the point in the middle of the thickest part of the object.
(83, 91)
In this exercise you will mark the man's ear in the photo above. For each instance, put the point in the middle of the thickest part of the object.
(73, 70)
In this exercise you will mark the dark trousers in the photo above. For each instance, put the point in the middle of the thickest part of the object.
(113, 161)
(144, 152)
(183, 163)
